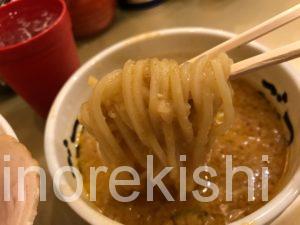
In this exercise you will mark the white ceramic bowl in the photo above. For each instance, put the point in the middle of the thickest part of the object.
(180, 43)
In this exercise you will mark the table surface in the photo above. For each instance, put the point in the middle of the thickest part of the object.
(231, 15)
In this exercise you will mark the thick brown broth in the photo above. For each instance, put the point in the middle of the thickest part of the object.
(257, 131)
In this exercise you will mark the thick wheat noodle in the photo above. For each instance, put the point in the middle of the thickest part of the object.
(139, 112)
(134, 145)
(84, 117)
(226, 95)
(99, 119)
(180, 104)
(168, 126)
(121, 112)
(153, 95)
(158, 107)
(185, 80)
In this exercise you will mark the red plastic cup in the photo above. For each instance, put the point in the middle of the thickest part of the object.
(91, 16)
(37, 67)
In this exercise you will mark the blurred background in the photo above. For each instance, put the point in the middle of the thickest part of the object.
(98, 24)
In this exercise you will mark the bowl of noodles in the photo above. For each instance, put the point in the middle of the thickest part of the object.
(183, 115)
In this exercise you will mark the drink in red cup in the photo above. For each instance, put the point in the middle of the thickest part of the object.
(37, 49)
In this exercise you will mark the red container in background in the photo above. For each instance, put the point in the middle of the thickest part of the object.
(91, 16)
(36, 61)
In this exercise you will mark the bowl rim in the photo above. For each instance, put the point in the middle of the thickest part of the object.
(263, 215)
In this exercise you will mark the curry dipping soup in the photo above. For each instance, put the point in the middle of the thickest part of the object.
(257, 130)
(62, 148)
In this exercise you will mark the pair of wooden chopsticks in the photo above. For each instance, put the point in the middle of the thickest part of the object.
(271, 57)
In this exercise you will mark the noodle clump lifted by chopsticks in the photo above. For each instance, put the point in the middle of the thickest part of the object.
(160, 108)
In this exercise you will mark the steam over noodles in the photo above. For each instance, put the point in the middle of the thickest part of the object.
(157, 107)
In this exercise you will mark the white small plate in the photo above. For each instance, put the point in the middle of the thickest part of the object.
(5, 128)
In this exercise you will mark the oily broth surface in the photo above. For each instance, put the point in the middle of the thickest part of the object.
(257, 131)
